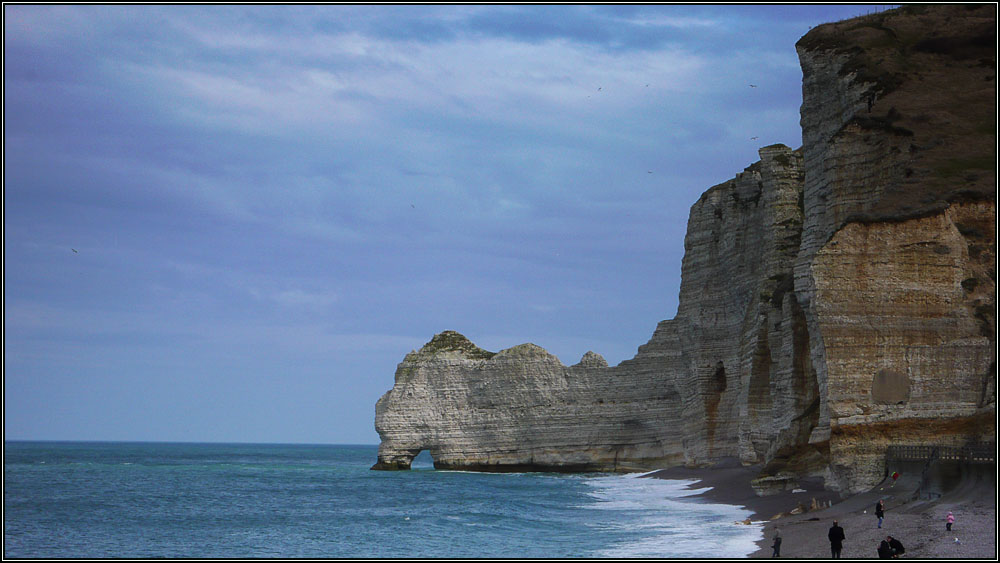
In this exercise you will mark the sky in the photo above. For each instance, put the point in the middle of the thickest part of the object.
(230, 223)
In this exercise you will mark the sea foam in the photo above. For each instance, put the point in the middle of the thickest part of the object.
(663, 520)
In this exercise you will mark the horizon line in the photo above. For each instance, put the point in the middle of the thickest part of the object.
(206, 443)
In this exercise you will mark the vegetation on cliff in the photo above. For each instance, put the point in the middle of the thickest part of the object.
(931, 76)
(451, 341)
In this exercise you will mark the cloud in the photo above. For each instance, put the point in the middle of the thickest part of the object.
(306, 299)
(481, 141)
(465, 111)
(267, 192)
(665, 20)
(482, 78)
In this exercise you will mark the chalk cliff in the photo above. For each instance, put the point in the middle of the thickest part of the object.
(896, 270)
(834, 299)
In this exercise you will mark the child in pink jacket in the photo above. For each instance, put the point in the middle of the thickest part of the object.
(950, 519)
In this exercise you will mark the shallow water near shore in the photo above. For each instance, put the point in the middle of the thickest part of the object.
(142, 500)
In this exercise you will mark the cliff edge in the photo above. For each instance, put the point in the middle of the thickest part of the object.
(834, 299)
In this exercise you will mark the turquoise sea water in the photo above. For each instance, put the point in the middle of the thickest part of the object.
(144, 500)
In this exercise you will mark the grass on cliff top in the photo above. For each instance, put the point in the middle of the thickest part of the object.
(451, 341)
(932, 69)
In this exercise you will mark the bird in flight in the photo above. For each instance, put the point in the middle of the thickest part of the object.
(74, 251)
(753, 138)
(753, 85)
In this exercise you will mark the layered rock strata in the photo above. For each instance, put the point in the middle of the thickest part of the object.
(834, 299)
(896, 271)
(522, 409)
(707, 384)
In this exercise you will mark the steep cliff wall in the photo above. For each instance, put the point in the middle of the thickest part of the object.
(896, 270)
(834, 299)
(729, 376)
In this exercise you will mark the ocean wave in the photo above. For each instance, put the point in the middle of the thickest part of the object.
(658, 518)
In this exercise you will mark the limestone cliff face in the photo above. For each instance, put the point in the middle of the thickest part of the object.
(896, 271)
(834, 299)
(736, 316)
(521, 409)
(907, 360)
(687, 395)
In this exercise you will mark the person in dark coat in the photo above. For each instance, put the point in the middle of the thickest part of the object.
(836, 536)
(777, 544)
(880, 512)
(884, 551)
(897, 547)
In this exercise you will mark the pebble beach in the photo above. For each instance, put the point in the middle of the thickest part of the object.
(918, 524)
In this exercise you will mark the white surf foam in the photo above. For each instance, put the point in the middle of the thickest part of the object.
(658, 519)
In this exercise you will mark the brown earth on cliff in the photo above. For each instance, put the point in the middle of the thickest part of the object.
(897, 269)
(932, 71)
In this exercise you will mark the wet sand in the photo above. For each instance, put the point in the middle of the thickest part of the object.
(919, 525)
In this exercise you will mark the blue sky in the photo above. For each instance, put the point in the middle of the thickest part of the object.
(230, 223)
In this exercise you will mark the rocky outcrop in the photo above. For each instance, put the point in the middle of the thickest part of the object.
(522, 409)
(834, 299)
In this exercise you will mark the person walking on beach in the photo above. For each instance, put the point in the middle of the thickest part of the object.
(836, 536)
(949, 520)
(880, 512)
(776, 546)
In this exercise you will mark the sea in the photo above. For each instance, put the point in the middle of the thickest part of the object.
(186, 500)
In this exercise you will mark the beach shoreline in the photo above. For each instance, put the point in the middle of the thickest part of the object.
(918, 524)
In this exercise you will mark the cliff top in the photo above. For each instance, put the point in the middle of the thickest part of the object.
(592, 360)
(451, 341)
(932, 74)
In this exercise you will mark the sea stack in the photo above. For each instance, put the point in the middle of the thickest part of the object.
(835, 299)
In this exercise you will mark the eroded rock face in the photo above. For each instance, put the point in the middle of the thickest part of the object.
(896, 271)
(521, 409)
(834, 299)
(902, 341)
(740, 350)
(729, 376)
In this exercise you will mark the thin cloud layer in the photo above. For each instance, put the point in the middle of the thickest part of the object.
(221, 204)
